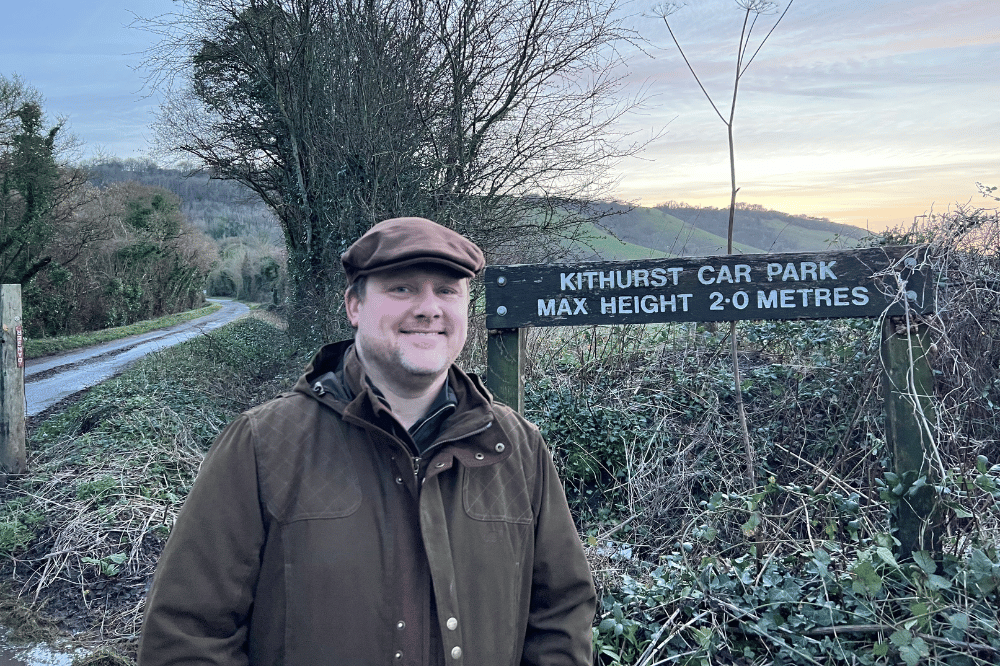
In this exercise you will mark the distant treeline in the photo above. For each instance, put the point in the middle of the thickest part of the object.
(220, 208)
(249, 246)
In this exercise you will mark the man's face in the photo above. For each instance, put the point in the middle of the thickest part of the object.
(411, 324)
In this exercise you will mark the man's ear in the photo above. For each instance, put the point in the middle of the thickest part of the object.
(352, 306)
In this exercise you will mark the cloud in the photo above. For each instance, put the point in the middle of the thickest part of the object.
(850, 106)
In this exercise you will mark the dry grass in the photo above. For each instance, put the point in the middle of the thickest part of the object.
(108, 475)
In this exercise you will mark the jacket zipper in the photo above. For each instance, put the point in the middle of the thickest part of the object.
(437, 445)
(416, 461)
(434, 415)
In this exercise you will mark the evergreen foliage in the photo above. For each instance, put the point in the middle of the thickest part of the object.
(142, 261)
(34, 189)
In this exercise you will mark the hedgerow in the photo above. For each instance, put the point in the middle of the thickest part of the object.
(694, 566)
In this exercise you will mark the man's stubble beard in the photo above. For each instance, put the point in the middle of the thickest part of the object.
(419, 371)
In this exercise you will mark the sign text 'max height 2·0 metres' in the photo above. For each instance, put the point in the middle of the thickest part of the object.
(821, 285)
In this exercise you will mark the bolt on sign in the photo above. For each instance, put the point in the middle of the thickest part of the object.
(818, 285)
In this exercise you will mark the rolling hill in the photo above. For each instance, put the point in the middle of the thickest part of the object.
(681, 230)
(225, 208)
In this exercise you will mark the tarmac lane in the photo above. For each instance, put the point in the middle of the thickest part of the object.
(52, 379)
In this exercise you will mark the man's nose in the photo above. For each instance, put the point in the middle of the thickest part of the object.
(428, 303)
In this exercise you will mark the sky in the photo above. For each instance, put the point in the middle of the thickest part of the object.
(868, 113)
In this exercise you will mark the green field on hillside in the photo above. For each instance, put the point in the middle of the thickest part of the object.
(656, 228)
(601, 245)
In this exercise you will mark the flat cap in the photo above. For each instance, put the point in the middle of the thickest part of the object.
(405, 241)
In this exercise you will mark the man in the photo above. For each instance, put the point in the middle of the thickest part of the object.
(384, 511)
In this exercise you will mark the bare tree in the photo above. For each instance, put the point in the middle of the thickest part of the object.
(752, 10)
(493, 117)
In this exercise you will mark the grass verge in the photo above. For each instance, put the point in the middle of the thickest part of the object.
(36, 348)
(80, 533)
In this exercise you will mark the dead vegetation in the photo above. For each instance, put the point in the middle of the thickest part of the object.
(108, 475)
(690, 563)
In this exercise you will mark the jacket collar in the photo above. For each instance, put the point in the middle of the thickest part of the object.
(336, 378)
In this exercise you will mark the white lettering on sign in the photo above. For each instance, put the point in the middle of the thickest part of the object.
(708, 275)
(711, 275)
(804, 270)
(740, 300)
(548, 308)
(648, 303)
(807, 284)
(818, 297)
(633, 277)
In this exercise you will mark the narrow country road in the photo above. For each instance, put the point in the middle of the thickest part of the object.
(53, 378)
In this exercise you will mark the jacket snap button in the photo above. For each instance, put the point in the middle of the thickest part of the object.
(500, 447)
(439, 465)
(399, 479)
(398, 655)
(452, 623)
(401, 625)
(456, 652)
(479, 456)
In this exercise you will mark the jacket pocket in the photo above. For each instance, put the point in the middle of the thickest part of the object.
(307, 473)
(498, 492)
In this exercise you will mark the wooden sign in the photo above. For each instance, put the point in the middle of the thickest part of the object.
(820, 285)
(868, 282)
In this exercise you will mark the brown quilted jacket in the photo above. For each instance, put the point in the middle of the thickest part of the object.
(313, 536)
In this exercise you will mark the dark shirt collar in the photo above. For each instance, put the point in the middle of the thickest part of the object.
(426, 430)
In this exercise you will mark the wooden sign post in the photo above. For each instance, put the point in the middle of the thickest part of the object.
(908, 396)
(12, 407)
(871, 282)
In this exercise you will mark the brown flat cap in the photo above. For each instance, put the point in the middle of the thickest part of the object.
(405, 241)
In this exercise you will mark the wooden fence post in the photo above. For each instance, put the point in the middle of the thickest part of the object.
(908, 393)
(12, 408)
(504, 351)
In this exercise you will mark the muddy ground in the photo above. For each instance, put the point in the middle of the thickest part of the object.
(80, 607)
